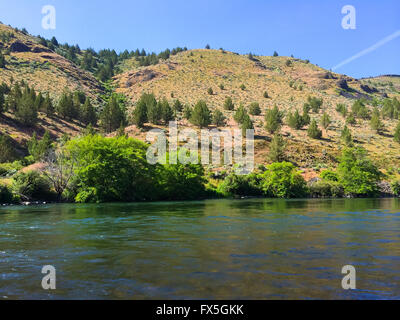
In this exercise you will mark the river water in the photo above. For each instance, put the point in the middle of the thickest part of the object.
(217, 249)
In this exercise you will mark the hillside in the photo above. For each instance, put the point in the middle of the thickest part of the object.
(187, 76)
(209, 75)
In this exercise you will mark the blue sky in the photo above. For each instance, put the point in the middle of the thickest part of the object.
(308, 29)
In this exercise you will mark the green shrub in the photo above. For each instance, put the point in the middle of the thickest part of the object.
(313, 131)
(396, 187)
(31, 186)
(282, 180)
(358, 175)
(201, 115)
(255, 109)
(228, 104)
(329, 175)
(324, 188)
(6, 195)
(241, 185)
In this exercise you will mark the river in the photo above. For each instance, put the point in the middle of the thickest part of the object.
(216, 249)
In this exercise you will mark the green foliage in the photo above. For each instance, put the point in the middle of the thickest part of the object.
(342, 109)
(275, 54)
(255, 109)
(39, 149)
(242, 87)
(210, 91)
(7, 149)
(351, 120)
(325, 121)
(187, 112)
(277, 148)
(2, 60)
(265, 95)
(240, 114)
(6, 196)
(346, 136)
(282, 180)
(325, 188)
(47, 106)
(329, 175)
(31, 186)
(376, 123)
(314, 104)
(218, 118)
(313, 131)
(359, 110)
(66, 107)
(241, 185)
(178, 106)
(295, 120)
(273, 120)
(112, 116)
(167, 114)
(247, 124)
(88, 114)
(397, 133)
(111, 169)
(201, 115)
(358, 175)
(228, 104)
(140, 113)
(395, 185)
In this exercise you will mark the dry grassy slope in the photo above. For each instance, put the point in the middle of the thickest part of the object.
(46, 71)
(188, 75)
(42, 68)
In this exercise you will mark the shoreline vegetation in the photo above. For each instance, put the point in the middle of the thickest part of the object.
(96, 169)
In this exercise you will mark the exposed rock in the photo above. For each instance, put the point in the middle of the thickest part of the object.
(368, 89)
(18, 46)
(342, 84)
(37, 49)
(142, 76)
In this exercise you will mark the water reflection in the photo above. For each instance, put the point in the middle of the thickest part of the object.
(219, 249)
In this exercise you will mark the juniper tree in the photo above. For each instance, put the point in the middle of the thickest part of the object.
(277, 148)
(201, 115)
(273, 120)
(218, 118)
(254, 109)
(346, 136)
(240, 114)
(397, 133)
(247, 124)
(325, 121)
(313, 131)
(228, 104)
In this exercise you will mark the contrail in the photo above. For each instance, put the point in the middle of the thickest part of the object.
(368, 50)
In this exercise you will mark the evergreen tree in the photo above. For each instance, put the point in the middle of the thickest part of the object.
(2, 60)
(265, 95)
(8, 153)
(397, 133)
(167, 114)
(201, 115)
(228, 104)
(154, 110)
(342, 109)
(88, 114)
(187, 112)
(295, 121)
(2, 103)
(247, 124)
(313, 131)
(254, 109)
(376, 123)
(325, 121)
(240, 114)
(47, 106)
(218, 118)
(351, 120)
(26, 112)
(39, 149)
(273, 120)
(277, 148)
(178, 106)
(346, 136)
(113, 116)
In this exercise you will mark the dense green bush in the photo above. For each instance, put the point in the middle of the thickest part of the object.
(7, 149)
(228, 104)
(6, 195)
(273, 120)
(241, 185)
(313, 131)
(31, 186)
(395, 185)
(282, 180)
(255, 109)
(325, 188)
(358, 175)
(201, 115)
